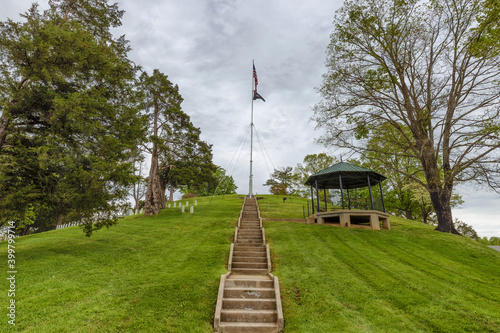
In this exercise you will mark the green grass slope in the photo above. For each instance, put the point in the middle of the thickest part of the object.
(161, 274)
(408, 279)
(155, 274)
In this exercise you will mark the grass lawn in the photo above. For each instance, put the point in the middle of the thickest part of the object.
(273, 207)
(155, 274)
(408, 279)
(161, 274)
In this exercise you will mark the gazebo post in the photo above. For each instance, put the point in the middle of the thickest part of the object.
(381, 194)
(370, 189)
(317, 191)
(324, 192)
(348, 198)
(341, 191)
(312, 199)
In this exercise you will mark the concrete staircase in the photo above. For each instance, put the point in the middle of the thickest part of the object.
(249, 298)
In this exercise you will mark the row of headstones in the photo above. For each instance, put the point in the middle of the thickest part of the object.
(61, 226)
(183, 208)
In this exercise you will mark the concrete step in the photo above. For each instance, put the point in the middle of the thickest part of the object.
(250, 233)
(250, 237)
(246, 258)
(246, 264)
(250, 218)
(250, 230)
(248, 316)
(240, 236)
(249, 227)
(249, 241)
(250, 271)
(248, 327)
(249, 303)
(250, 247)
(250, 292)
(249, 254)
(245, 282)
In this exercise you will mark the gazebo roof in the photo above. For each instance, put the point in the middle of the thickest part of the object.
(353, 176)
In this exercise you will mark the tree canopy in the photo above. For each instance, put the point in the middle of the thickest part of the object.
(428, 71)
(70, 123)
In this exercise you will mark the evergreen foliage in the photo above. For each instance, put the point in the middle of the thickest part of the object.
(70, 123)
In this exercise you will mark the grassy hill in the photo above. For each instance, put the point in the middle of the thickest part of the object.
(161, 274)
(156, 274)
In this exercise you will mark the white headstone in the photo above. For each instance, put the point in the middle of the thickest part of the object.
(187, 203)
(191, 209)
(175, 204)
(183, 209)
(195, 202)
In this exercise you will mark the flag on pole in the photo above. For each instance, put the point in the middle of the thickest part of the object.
(256, 82)
(257, 96)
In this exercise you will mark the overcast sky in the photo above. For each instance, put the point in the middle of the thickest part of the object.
(207, 48)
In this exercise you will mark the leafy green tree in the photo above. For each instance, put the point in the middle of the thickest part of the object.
(189, 164)
(428, 70)
(70, 124)
(491, 241)
(281, 181)
(218, 184)
(178, 156)
(465, 229)
(224, 184)
(312, 163)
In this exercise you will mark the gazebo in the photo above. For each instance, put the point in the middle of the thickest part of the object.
(345, 176)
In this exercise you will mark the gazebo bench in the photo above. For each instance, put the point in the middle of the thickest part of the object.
(375, 217)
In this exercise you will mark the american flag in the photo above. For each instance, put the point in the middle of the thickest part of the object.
(255, 78)
(255, 94)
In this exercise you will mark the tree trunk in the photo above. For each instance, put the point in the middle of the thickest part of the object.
(152, 204)
(441, 203)
(408, 214)
(135, 194)
(59, 219)
(25, 230)
(163, 200)
(4, 123)
(171, 196)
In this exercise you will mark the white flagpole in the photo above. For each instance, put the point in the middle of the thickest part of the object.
(250, 186)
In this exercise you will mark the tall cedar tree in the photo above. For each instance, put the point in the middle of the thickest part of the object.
(69, 123)
(427, 66)
(178, 156)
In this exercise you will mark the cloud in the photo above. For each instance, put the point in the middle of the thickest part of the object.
(207, 48)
